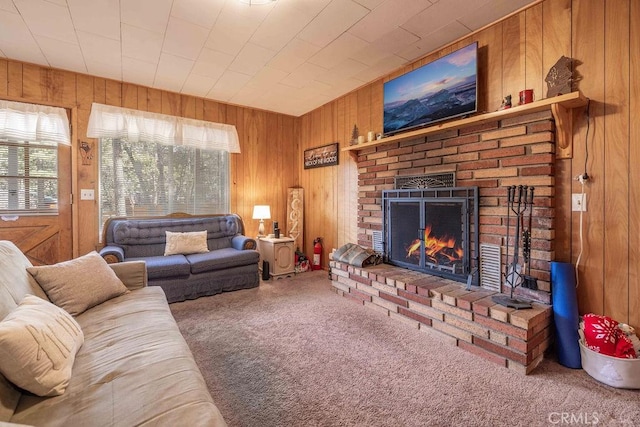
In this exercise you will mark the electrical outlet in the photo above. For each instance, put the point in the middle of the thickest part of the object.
(87, 194)
(579, 202)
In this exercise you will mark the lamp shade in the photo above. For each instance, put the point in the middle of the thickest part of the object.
(261, 212)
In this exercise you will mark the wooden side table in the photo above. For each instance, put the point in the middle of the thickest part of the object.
(279, 253)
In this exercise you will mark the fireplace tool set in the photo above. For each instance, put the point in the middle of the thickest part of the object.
(520, 203)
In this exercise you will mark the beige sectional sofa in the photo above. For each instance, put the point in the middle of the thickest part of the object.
(134, 367)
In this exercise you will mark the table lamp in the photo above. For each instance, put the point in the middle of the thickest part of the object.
(261, 212)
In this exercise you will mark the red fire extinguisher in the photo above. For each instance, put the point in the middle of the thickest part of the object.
(317, 253)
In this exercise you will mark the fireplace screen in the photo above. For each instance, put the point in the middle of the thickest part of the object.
(431, 230)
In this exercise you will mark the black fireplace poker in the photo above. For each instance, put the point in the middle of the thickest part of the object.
(519, 202)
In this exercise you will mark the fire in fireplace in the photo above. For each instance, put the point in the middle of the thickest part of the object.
(432, 230)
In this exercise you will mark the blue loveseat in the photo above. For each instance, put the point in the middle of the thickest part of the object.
(230, 264)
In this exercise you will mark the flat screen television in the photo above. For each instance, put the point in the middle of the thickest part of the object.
(439, 90)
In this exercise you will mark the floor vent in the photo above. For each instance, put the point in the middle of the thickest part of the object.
(490, 269)
(378, 246)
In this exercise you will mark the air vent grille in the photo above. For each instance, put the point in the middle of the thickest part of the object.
(490, 269)
(425, 181)
(378, 246)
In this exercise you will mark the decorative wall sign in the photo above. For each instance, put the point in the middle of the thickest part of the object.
(295, 215)
(86, 152)
(327, 155)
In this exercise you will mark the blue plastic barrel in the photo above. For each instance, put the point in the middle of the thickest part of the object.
(565, 314)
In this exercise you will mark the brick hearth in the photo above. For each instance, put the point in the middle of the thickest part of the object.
(515, 339)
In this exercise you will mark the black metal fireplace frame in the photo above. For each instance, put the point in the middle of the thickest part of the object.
(468, 196)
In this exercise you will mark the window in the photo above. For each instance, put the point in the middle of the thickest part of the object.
(28, 177)
(150, 179)
(29, 138)
(154, 164)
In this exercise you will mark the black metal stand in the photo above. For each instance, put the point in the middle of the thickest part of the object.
(519, 201)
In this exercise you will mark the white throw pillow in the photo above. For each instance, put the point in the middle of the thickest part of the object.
(79, 284)
(193, 242)
(38, 345)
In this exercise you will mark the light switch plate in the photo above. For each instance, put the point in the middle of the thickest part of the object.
(579, 202)
(87, 194)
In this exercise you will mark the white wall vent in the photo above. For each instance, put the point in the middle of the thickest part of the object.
(490, 268)
(376, 237)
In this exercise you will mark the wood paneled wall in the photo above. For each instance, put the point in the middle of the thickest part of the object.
(261, 174)
(517, 53)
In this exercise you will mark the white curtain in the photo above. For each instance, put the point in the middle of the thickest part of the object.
(114, 122)
(30, 122)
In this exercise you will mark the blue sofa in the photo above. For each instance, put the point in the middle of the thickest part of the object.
(230, 264)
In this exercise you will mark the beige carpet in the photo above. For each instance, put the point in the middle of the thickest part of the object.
(293, 353)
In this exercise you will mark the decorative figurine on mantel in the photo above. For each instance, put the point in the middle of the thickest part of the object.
(354, 135)
(506, 103)
(560, 77)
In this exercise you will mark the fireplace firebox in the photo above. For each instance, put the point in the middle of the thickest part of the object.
(433, 230)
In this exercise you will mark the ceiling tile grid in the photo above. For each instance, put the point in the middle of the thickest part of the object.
(288, 56)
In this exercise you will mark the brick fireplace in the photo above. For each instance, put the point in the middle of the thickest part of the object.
(518, 150)
(515, 151)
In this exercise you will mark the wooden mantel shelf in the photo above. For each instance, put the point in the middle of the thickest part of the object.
(560, 107)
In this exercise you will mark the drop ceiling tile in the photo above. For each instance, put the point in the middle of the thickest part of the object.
(293, 55)
(251, 59)
(370, 54)
(490, 11)
(99, 49)
(138, 72)
(335, 19)
(303, 75)
(151, 15)
(230, 33)
(107, 70)
(212, 63)
(381, 68)
(228, 85)
(340, 49)
(396, 40)
(343, 71)
(268, 77)
(63, 55)
(47, 19)
(172, 72)
(16, 40)
(202, 13)
(370, 4)
(311, 7)
(434, 41)
(436, 16)
(280, 26)
(198, 85)
(7, 5)
(141, 44)
(184, 39)
(388, 16)
(100, 17)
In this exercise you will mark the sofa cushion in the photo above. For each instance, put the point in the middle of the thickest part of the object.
(38, 345)
(192, 242)
(221, 259)
(165, 266)
(80, 283)
(134, 369)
